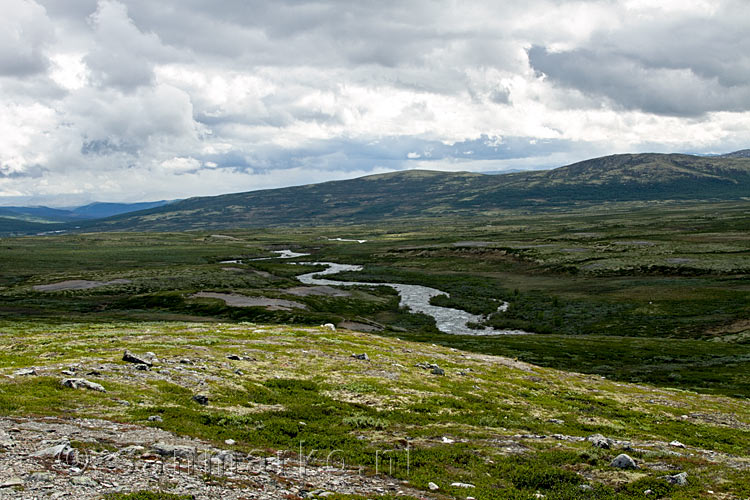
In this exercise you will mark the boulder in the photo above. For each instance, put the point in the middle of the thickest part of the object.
(201, 399)
(678, 479)
(432, 486)
(600, 441)
(82, 383)
(363, 356)
(623, 461)
(132, 358)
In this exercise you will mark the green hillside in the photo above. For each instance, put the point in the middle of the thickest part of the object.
(420, 193)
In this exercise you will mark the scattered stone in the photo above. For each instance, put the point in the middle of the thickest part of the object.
(235, 357)
(40, 477)
(94, 373)
(132, 450)
(623, 461)
(201, 399)
(84, 481)
(169, 450)
(12, 482)
(68, 373)
(155, 418)
(132, 358)
(599, 441)
(58, 451)
(82, 383)
(24, 372)
(556, 421)
(462, 485)
(363, 356)
(437, 371)
(678, 479)
(676, 444)
(239, 372)
(229, 442)
(186, 362)
(143, 368)
(433, 486)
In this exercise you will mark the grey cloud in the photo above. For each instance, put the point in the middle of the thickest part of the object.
(25, 32)
(630, 84)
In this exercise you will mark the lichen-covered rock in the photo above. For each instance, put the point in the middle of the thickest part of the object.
(82, 383)
(623, 461)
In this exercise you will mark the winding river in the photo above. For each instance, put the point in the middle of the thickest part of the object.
(415, 297)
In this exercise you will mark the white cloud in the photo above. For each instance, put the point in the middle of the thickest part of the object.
(146, 100)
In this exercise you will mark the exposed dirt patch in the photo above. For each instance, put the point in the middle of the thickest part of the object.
(78, 285)
(235, 300)
(329, 291)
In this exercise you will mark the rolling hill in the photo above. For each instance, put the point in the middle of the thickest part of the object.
(420, 193)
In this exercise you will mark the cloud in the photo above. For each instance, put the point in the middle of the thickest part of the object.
(25, 34)
(138, 100)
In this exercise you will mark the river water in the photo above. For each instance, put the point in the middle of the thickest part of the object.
(416, 298)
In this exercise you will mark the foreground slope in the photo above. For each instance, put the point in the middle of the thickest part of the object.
(506, 428)
(419, 193)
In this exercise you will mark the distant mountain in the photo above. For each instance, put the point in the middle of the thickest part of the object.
(422, 193)
(743, 153)
(100, 210)
(97, 210)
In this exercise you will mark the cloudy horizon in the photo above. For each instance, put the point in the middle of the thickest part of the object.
(133, 100)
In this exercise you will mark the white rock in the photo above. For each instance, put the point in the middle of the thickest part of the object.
(463, 485)
(82, 383)
(433, 486)
(623, 461)
(676, 444)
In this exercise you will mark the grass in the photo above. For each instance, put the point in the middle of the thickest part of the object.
(301, 385)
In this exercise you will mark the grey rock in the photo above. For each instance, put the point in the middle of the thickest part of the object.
(235, 357)
(585, 487)
(433, 486)
(363, 356)
(170, 450)
(201, 399)
(12, 482)
(556, 421)
(82, 383)
(143, 368)
(57, 451)
(24, 372)
(437, 371)
(676, 444)
(600, 441)
(40, 477)
(155, 418)
(647, 492)
(132, 358)
(84, 481)
(462, 485)
(132, 450)
(678, 479)
(623, 461)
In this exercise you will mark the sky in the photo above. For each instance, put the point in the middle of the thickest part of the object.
(137, 100)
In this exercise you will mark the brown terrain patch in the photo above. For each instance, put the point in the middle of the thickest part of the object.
(236, 300)
(304, 291)
(78, 285)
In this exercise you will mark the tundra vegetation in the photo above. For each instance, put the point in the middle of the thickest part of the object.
(640, 314)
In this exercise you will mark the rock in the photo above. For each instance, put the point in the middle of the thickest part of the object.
(82, 383)
(585, 487)
(24, 372)
(433, 486)
(648, 492)
(678, 479)
(186, 362)
(676, 444)
(68, 373)
(230, 442)
(5, 440)
(623, 461)
(169, 450)
(235, 357)
(132, 358)
(132, 450)
(363, 356)
(447, 440)
(143, 368)
(155, 418)
(41, 477)
(58, 451)
(329, 326)
(152, 357)
(84, 481)
(556, 421)
(12, 482)
(462, 485)
(201, 399)
(599, 441)
(437, 371)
